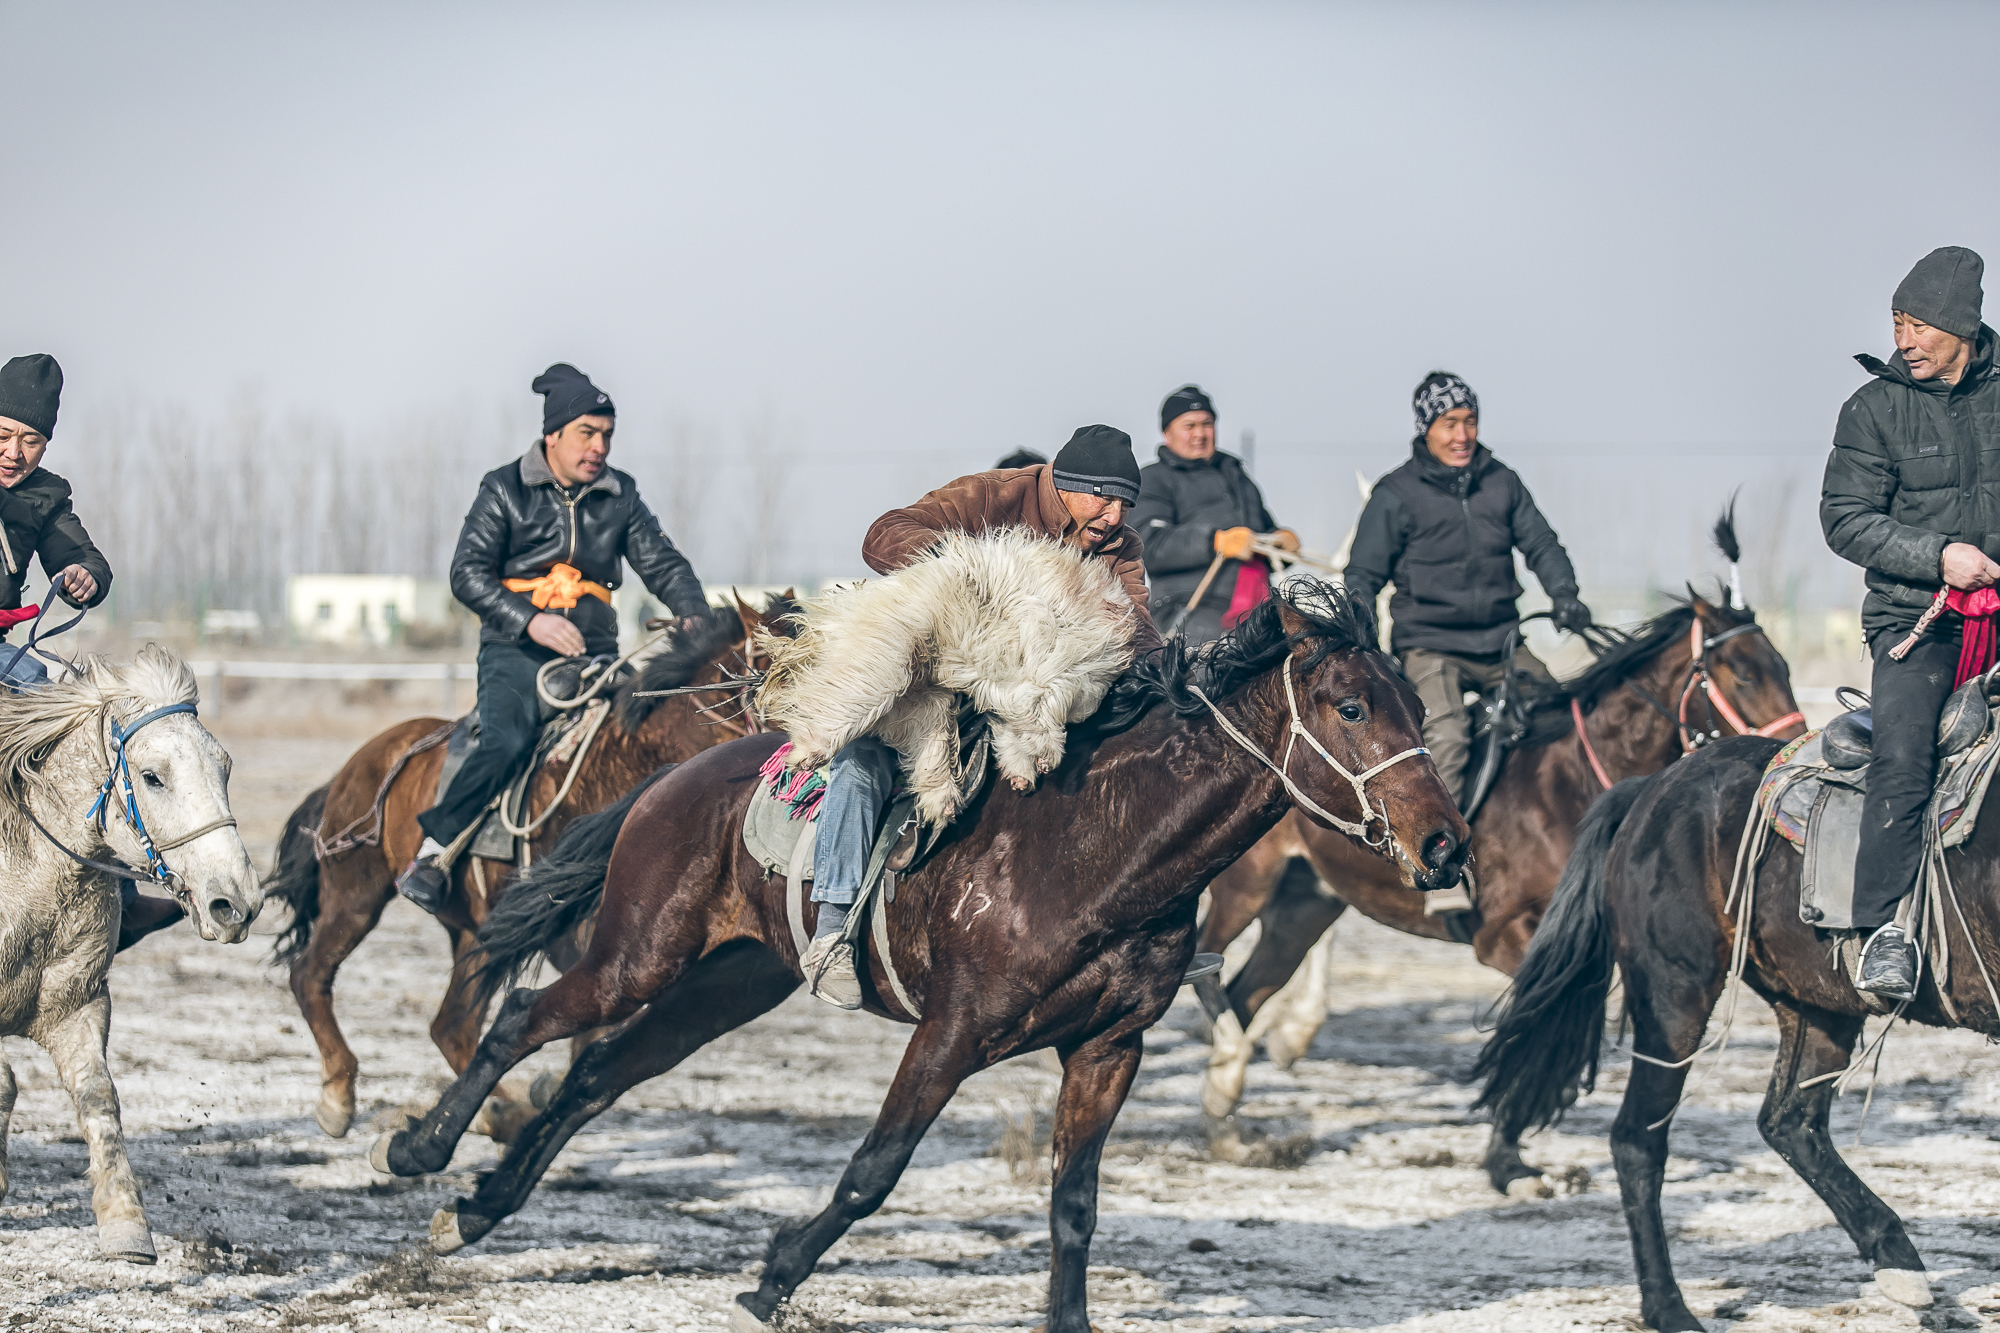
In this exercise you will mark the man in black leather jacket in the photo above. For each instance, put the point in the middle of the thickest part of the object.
(537, 560)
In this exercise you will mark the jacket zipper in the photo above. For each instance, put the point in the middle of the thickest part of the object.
(570, 505)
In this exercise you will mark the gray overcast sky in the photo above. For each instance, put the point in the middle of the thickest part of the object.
(927, 234)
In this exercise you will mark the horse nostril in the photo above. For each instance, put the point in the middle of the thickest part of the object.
(223, 912)
(1438, 849)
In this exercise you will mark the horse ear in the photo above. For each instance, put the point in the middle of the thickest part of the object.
(1701, 606)
(1290, 619)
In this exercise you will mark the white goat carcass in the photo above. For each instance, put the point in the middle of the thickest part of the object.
(1033, 631)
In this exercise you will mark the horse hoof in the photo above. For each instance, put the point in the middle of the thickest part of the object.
(742, 1321)
(1524, 1188)
(1905, 1286)
(445, 1237)
(378, 1152)
(129, 1241)
(334, 1115)
(543, 1090)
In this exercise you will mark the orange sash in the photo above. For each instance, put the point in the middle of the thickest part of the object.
(559, 589)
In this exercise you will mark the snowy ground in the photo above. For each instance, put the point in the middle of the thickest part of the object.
(1376, 1216)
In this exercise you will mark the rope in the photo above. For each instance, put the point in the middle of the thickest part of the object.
(593, 722)
(1357, 781)
(1576, 712)
(348, 838)
(602, 678)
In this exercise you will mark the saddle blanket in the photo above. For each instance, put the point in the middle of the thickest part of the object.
(1816, 806)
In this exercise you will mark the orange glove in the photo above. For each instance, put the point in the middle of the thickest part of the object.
(1233, 543)
(1285, 539)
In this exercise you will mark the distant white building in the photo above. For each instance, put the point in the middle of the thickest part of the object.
(369, 609)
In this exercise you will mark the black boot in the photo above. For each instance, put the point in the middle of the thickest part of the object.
(424, 883)
(1888, 964)
(141, 914)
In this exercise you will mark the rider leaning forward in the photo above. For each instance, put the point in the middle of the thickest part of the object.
(1081, 499)
(537, 560)
(1909, 497)
(1197, 504)
(1443, 527)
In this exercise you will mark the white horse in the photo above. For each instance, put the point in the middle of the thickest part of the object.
(129, 732)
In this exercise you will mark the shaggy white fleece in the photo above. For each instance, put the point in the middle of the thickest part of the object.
(1032, 630)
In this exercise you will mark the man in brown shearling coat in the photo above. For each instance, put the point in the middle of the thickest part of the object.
(1081, 498)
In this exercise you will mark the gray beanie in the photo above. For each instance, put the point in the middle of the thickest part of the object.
(1943, 290)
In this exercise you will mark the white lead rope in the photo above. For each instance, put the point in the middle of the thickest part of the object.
(1359, 781)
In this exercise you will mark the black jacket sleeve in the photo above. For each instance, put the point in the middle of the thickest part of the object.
(1540, 547)
(1854, 501)
(660, 565)
(1170, 545)
(477, 563)
(65, 543)
(1378, 545)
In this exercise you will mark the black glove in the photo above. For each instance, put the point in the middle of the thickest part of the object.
(1570, 615)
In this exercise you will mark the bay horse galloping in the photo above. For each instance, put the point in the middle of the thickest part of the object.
(369, 813)
(1699, 670)
(1647, 892)
(1062, 918)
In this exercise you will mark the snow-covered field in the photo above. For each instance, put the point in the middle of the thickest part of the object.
(1373, 1214)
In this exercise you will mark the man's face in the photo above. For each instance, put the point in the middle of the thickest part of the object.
(1452, 436)
(1930, 352)
(1191, 435)
(577, 452)
(1097, 517)
(21, 451)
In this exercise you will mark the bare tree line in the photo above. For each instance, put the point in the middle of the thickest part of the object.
(209, 512)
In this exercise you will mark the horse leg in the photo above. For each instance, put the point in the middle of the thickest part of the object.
(6, 1115)
(1813, 1042)
(1096, 1077)
(455, 1032)
(1298, 1010)
(935, 1062)
(528, 1020)
(77, 1046)
(349, 909)
(722, 992)
(1666, 1028)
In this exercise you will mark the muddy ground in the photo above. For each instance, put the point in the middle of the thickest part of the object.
(1371, 1213)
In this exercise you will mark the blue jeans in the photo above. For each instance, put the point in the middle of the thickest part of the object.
(26, 674)
(857, 791)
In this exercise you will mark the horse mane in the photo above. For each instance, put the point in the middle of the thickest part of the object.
(686, 654)
(33, 721)
(1333, 623)
(1617, 663)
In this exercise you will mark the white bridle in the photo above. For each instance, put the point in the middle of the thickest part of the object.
(1358, 781)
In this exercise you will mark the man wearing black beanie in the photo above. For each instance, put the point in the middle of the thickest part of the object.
(1196, 504)
(1081, 498)
(1904, 498)
(537, 560)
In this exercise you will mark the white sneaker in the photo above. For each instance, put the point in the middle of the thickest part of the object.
(829, 967)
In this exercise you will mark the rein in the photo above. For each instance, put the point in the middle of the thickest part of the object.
(1359, 781)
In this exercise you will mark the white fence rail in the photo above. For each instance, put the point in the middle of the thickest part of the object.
(448, 674)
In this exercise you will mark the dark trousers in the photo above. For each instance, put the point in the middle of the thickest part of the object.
(1907, 697)
(509, 717)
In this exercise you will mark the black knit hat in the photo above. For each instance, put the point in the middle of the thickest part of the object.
(30, 390)
(568, 394)
(1943, 290)
(1441, 392)
(1098, 461)
(1187, 398)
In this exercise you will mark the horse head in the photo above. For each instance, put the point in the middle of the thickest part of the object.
(178, 777)
(1745, 680)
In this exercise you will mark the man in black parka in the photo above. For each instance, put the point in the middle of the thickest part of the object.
(1443, 528)
(537, 560)
(1912, 495)
(1195, 504)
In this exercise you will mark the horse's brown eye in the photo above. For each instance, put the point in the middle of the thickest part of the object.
(1350, 712)
(152, 778)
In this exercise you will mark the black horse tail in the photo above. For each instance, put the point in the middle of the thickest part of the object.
(1544, 1049)
(553, 896)
(294, 880)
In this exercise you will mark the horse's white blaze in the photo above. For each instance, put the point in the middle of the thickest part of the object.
(59, 920)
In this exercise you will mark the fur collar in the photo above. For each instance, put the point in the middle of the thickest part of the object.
(535, 471)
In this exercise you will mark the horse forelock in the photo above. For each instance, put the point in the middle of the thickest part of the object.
(33, 722)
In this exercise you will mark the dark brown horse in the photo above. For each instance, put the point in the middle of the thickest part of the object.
(1645, 892)
(1058, 918)
(369, 813)
(1630, 705)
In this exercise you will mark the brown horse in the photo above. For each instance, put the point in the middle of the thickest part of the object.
(1647, 891)
(1061, 918)
(369, 813)
(1630, 705)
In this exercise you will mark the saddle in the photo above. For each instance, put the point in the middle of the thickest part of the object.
(1511, 715)
(560, 732)
(1812, 791)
